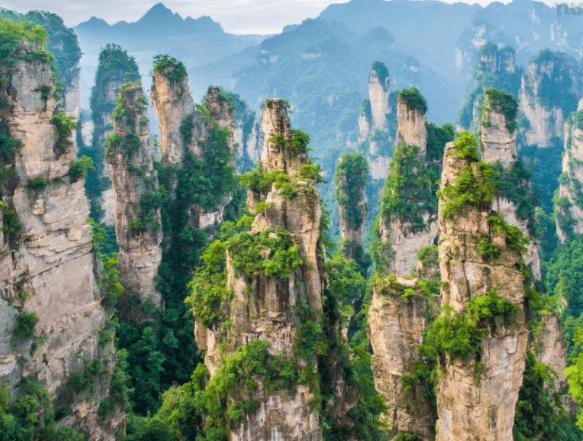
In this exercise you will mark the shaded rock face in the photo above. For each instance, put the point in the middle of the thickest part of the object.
(114, 66)
(569, 206)
(411, 122)
(404, 242)
(479, 405)
(550, 90)
(262, 307)
(378, 94)
(553, 350)
(47, 268)
(499, 144)
(133, 178)
(396, 328)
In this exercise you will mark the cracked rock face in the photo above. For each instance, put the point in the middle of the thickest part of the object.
(133, 176)
(479, 405)
(396, 327)
(263, 307)
(48, 269)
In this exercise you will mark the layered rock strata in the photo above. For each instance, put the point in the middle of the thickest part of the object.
(46, 264)
(262, 307)
(498, 135)
(396, 324)
(569, 204)
(130, 156)
(478, 404)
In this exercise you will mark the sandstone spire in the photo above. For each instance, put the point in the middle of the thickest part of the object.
(480, 256)
(130, 155)
(269, 295)
(516, 201)
(46, 265)
(411, 110)
(568, 205)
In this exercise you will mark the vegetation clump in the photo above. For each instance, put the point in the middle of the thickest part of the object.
(14, 34)
(64, 125)
(501, 101)
(413, 98)
(25, 323)
(170, 66)
(350, 179)
(80, 167)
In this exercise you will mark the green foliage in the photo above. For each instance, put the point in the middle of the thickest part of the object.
(576, 120)
(85, 380)
(37, 184)
(414, 99)
(564, 275)
(13, 34)
(466, 147)
(514, 184)
(80, 167)
(473, 186)
(30, 416)
(25, 323)
(437, 138)
(514, 237)
(539, 410)
(345, 279)
(504, 102)
(11, 224)
(460, 334)
(428, 255)
(170, 66)
(65, 126)
(8, 147)
(350, 178)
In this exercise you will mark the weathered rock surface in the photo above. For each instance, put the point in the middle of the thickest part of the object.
(48, 269)
(263, 306)
(499, 144)
(411, 126)
(479, 405)
(552, 350)
(133, 177)
(396, 327)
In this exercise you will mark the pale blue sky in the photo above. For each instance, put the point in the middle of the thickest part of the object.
(236, 16)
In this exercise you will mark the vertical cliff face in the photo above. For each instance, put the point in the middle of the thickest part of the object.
(115, 67)
(130, 156)
(495, 68)
(569, 204)
(377, 121)
(411, 109)
(378, 94)
(397, 320)
(498, 135)
(408, 206)
(268, 296)
(549, 93)
(51, 311)
(350, 180)
(480, 257)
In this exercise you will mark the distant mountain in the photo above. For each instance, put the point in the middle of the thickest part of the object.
(427, 30)
(193, 41)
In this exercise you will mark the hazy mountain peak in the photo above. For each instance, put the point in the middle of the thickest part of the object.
(159, 12)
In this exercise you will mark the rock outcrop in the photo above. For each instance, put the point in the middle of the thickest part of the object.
(495, 68)
(185, 131)
(350, 179)
(569, 204)
(46, 264)
(405, 234)
(477, 401)
(397, 320)
(498, 135)
(115, 68)
(130, 156)
(264, 306)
